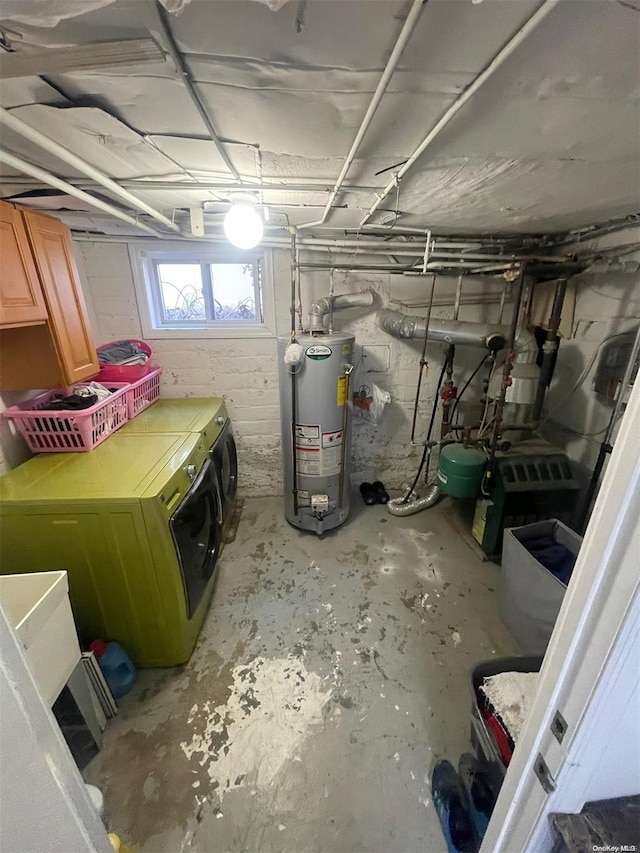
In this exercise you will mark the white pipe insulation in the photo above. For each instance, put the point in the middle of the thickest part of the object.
(47, 178)
(408, 27)
(52, 147)
(503, 54)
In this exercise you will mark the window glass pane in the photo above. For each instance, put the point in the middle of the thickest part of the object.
(181, 292)
(234, 292)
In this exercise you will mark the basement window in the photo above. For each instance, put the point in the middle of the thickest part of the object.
(182, 293)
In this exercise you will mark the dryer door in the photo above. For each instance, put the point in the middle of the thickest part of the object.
(196, 531)
(226, 459)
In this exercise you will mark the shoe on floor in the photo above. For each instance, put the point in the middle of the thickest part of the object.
(368, 494)
(481, 791)
(450, 801)
(381, 494)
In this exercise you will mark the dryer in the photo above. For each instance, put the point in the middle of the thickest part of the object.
(208, 417)
(137, 525)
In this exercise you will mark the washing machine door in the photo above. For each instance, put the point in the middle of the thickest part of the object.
(196, 530)
(226, 458)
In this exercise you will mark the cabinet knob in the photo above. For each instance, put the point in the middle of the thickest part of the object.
(191, 471)
(220, 421)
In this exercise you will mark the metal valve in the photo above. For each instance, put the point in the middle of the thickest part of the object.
(191, 471)
(220, 421)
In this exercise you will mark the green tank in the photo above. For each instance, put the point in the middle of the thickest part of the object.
(460, 470)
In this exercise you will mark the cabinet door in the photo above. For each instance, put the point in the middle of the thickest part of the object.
(51, 243)
(21, 299)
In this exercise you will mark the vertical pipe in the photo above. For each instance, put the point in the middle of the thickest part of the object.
(423, 360)
(508, 363)
(550, 347)
(294, 400)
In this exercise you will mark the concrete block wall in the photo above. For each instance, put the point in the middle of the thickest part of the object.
(245, 371)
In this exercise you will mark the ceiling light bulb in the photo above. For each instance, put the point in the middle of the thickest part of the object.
(243, 225)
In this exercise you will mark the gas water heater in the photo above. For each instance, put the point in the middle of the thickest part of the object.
(316, 429)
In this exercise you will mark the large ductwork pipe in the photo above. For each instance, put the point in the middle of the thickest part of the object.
(323, 307)
(493, 337)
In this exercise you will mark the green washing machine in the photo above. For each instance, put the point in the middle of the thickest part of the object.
(204, 415)
(137, 525)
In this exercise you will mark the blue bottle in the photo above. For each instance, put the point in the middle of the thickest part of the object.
(116, 666)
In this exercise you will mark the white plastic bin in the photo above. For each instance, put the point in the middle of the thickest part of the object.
(531, 596)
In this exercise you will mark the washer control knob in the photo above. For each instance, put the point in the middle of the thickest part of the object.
(191, 471)
(220, 421)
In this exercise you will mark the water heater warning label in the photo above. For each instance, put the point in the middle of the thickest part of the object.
(318, 454)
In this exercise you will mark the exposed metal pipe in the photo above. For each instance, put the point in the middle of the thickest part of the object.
(503, 54)
(487, 481)
(446, 331)
(190, 86)
(301, 185)
(323, 307)
(47, 178)
(61, 153)
(549, 348)
(408, 27)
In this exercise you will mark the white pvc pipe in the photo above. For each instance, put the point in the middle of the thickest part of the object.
(27, 132)
(47, 178)
(398, 49)
(503, 54)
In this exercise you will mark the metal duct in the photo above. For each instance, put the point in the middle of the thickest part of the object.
(493, 337)
(323, 307)
(446, 331)
(396, 506)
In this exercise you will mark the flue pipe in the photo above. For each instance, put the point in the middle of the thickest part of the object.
(409, 26)
(47, 178)
(323, 307)
(443, 331)
(503, 54)
(49, 145)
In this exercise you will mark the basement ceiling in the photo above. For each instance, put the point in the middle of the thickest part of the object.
(549, 143)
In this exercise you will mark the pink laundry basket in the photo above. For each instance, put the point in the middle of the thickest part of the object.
(52, 431)
(141, 394)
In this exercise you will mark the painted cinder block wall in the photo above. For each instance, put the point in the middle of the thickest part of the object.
(244, 371)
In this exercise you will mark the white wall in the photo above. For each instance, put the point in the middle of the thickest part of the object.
(44, 805)
(244, 372)
(607, 302)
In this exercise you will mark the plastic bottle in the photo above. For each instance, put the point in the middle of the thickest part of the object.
(116, 666)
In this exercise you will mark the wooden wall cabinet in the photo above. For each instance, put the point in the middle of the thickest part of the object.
(45, 340)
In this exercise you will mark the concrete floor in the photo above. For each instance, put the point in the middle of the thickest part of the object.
(329, 677)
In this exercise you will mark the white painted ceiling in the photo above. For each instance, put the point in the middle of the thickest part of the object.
(550, 142)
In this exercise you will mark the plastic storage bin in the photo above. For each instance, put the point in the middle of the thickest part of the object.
(140, 395)
(125, 372)
(530, 595)
(54, 431)
(481, 738)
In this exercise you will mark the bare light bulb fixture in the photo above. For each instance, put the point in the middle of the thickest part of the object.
(243, 225)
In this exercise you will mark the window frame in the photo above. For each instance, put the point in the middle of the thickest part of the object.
(144, 259)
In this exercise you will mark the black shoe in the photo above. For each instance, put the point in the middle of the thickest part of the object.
(452, 807)
(368, 495)
(481, 791)
(381, 494)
